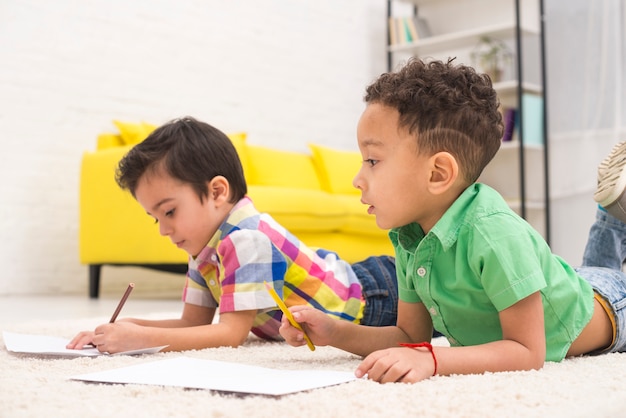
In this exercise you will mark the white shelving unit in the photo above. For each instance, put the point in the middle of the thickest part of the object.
(519, 171)
(461, 39)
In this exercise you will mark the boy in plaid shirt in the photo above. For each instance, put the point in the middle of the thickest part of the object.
(188, 176)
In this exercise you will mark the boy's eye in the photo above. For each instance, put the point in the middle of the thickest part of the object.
(371, 162)
(168, 214)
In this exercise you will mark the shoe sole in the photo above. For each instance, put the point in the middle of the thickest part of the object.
(612, 183)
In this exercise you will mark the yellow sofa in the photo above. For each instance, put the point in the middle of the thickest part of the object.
(310, 194)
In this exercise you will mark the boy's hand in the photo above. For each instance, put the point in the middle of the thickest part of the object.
(119, 336)
(81, 340)
(318, 326)
(398, 364)
(110, 338)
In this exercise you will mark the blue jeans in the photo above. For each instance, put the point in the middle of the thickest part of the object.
(604, 255)
(380, 290)
(606, 245)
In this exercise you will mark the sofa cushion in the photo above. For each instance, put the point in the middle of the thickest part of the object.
(108, 140)
(133, 133)
(358, 221)
(299, 209)
(336, 168)
(239, 141)
(270, 167)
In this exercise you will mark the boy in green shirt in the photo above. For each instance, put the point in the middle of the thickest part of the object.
(466, 263)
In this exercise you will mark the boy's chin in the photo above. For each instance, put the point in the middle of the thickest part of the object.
(383, 225)
(387, 224)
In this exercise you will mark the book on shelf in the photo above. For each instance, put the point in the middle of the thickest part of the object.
(393, 31)
(407, 29)
(422, 27)
(509, 115)
(532, 107)
(411, 29)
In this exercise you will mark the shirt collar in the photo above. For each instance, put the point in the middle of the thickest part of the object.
(446, 230)
(242, 209)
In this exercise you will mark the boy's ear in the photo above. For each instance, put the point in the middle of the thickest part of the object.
(219, 189)
(444, 172)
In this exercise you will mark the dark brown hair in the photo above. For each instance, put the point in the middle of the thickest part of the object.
(191, 151)
(448, 108)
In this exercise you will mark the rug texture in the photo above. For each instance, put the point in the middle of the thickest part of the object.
(38, 386)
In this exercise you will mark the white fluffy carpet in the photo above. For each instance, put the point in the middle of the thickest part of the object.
(38, 386)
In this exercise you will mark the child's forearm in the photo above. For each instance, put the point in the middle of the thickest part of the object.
(232, 331)
(159, 323)
(409, 365)
(191, 338)
(363, 340)
(498, 356)
(197, 338)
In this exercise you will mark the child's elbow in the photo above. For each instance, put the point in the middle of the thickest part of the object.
(537, 364)
(529, 360)
(528, 365)
(237, 340)
(536, 360)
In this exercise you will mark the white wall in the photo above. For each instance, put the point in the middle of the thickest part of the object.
(287, 72)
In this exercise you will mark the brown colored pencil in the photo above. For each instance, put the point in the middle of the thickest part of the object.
(120, 305)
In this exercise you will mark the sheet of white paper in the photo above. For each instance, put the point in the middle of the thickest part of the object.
(221, 376)
(41, 344)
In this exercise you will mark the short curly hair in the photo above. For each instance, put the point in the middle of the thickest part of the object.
(447, 107)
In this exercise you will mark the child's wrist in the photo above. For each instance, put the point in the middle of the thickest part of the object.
(426, 345)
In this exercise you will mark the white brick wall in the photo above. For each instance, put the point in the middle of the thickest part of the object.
(286, 71)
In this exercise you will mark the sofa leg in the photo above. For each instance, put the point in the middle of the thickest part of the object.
(94, 280)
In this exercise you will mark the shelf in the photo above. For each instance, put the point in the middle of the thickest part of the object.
(509, 87)
(519, 173)
(416, 2)
(516, 204)
(514, 145)
(461, 39)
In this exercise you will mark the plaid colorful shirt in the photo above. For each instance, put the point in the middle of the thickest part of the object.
(251, 247)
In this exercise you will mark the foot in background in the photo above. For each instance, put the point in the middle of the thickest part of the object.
(612, 182)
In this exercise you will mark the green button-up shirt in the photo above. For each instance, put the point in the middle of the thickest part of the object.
(481, 258)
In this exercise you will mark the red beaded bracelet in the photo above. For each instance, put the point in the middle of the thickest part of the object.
(424, 344)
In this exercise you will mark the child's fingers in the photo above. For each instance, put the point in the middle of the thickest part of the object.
(365, 368)
(292, 335)
(300, 308)
(305, 315)
(81, 340)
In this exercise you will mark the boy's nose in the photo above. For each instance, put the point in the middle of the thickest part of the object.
(356, 181)
(164, 230)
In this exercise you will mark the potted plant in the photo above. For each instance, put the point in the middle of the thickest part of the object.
(491, 56)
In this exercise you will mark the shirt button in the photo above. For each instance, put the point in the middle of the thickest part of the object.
(421, 271)
(212, 282)
(433, 311)
(213, 257)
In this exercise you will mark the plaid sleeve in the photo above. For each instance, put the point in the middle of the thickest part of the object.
(248, 259)
(197, 291)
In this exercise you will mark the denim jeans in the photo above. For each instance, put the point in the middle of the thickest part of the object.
(380, 290)
(606, 245)
(602, 268)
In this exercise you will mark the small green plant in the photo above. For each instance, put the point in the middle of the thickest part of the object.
(491, 56)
